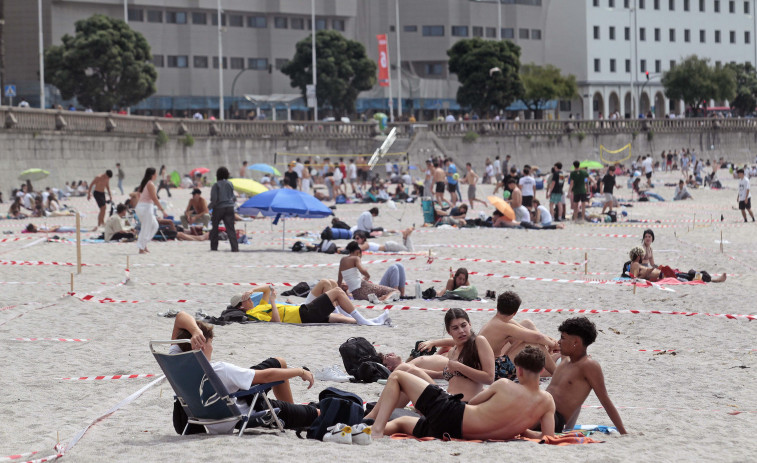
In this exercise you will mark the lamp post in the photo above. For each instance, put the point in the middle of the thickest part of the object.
(220, 64)
(499, 19)
(399, 57)
(315, 70)
(41, 58)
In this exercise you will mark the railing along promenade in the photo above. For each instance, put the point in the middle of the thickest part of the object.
(35, 120)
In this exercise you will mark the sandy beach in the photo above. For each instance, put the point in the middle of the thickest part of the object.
(695, 403)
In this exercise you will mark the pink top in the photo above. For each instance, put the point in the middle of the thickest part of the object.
(145, 196)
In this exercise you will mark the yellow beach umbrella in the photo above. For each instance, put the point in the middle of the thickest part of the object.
(247, 186)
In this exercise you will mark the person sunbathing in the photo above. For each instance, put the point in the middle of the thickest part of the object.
(350, 271)
(390, 246)
(577, 375)
(260, 304)
(503, 411)
(636, 269)
(236, 378)
(31, 228)
(468, 365)
(458, 280)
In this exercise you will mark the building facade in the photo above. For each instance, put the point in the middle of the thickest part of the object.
(607, 44)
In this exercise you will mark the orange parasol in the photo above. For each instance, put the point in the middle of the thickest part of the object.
(502, 207)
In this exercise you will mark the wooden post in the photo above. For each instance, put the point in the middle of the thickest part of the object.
(721, 241)
(72, 282)
(127, 262)
(78, 242)
(586, 263)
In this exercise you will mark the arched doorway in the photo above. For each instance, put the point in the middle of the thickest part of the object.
(674, 107)
(598, 106)
(644, 106)
(627, 105)
(659, 105)
(614, 104)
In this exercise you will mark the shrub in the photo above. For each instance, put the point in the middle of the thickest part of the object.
(470, 137)
(188, 140)
(161, 139)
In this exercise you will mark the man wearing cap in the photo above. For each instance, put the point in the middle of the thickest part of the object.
(291, 179)
(197, 211)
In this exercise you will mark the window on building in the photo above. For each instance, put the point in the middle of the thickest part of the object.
(746, 7)
(434, 69)
(214, 19)
(237, 63)
(672, 5)
(657, 66)
(686, 35)
(657, 34)
(478, 31)
(410, 28)
(747, 37)
(280, 63)
(157, 61)
(596, 32)
(176, 17)
(433, 31)
(391, 28)
(136, 15)
(565, 106)
(298, 23)
(672, 64)
(611, 3)
(154, 16)
(642, 34)
(672, 35)
(535, 34)
(199, 18)
(626, 3)
(656, 4)
(643, 65)
(236, 20)
(612, 32)
(491, 32)
(280, 22)
(702, 36)
(732, 36)
(523, 33)
(686, 5)
(732, 6)
(215, 62)
(200, 62)
(337, 24)
(612, 65)
(641, 4)
(597, 66)
(628, 33)
(320, 24)
(257, 22)
(178, 61)
(717, 36)
(459, 31)
(628, 66)
(701, 6)
(596, 2)
(259, 64)
(508, 33)
(716, 6)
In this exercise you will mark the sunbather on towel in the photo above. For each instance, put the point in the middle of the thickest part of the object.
(236, 378)
(577, 375)
(639, 270)
(502, 411)
(350, 271)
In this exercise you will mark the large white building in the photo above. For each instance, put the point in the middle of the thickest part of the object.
(607, 44)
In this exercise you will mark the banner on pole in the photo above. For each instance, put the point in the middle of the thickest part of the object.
(383, 61)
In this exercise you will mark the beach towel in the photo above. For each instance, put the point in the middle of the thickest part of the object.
(464, 293)
(664, 282)
(568, 438)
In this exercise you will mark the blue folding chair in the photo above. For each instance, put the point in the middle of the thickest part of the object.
(201, 393)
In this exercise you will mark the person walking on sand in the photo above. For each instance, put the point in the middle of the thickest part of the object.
(471, 178)
(165, 180)
(744, 197)
(100, 184)
(440, 182)
(222, 201)
(121, 176)
(148, 199)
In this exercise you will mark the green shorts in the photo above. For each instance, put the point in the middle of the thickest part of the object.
(555, 198)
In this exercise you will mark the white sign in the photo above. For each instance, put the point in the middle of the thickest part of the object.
(310, 91)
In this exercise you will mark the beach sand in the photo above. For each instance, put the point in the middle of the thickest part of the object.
(681, 407)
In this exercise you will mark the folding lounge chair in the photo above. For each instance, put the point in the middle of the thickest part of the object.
(201, 393)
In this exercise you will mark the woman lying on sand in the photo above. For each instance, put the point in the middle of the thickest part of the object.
(638, 270)
(390, 246)
(468, 366)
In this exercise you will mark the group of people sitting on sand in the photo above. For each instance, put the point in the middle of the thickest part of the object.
(29, 203)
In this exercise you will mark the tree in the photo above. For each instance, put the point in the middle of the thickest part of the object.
(746, 88)
(545, 83)
(344, 70)
(488, 73)
(104, 65)
(695, 82)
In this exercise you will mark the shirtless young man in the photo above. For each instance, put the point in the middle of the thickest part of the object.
(502, 411)
(197, 210)
(100, 184)
(578, 374)
(471, 178)
(440, 181)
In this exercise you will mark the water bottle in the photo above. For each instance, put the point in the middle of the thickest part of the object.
(418, 290)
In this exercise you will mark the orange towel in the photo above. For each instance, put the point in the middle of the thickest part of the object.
(569, 438)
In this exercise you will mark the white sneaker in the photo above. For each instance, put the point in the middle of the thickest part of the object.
(373, 299)
(394, 297)
(339, 433)
(333, 373)
(361, 434)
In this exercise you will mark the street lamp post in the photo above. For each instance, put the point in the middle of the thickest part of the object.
(41, 58)
(315, 70)
(399, 57)
(220, 64)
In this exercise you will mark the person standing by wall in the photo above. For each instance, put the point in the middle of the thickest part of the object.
(121, 177)
(222, 201)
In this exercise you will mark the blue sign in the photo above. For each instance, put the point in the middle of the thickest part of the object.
(10, 91)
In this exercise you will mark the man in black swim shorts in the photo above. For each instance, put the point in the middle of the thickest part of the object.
(100, 184)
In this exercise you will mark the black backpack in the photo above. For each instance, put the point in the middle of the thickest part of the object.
(370, 372)
(336, 406)
(355, 351)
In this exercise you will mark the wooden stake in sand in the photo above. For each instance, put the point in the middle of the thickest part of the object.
(127, 262)
(721, 241)
(72, 282)
(586, 263)
(78, 242)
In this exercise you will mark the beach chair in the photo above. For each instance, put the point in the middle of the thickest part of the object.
(201, 393)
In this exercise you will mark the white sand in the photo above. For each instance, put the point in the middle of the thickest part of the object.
(676, 407)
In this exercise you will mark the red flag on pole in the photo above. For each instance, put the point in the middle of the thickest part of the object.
(383, 61)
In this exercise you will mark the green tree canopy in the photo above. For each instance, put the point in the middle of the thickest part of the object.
(695, 82)
(746, 87)
(545, 83)
(104, 65)
(344, 70)
(488, 73)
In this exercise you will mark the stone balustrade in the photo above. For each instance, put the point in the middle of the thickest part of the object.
(35, 120)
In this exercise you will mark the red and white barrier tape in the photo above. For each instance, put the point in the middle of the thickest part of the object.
(7, 240)
(563, 280)
(693, 350)
(678, 409)
(464, 259)
(51, 339)
(100, 378)
(39, 262)
(604, 235)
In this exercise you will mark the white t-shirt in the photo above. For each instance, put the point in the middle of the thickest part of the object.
(522, 214)
(497, 167)
(28, 201)
(647, 165)
(743, 188)
(527, 185)
(546, 217)
(490, 170)
(338, 176)
(365, 221)
(298, 167)
(352, 171)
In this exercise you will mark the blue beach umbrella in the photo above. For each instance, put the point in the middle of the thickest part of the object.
(265, 168)
(283, 203)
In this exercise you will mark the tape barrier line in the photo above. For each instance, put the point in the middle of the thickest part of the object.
(579, 311)
(563, 280)
(103, 377)
(24, 313)
(465, 259)
(51, 339)
(606, 235)
(677, 409)
(693, 350)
